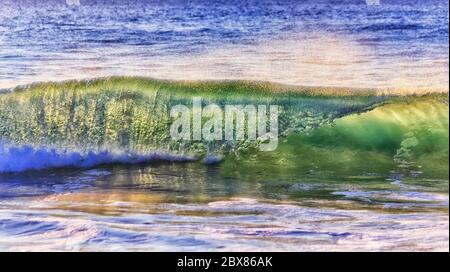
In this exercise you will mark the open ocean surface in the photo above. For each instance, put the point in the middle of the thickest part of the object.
(249, 204)
(401, 44)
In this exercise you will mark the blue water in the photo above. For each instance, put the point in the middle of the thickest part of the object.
(346, 43)
(401, 45)
(193, 207)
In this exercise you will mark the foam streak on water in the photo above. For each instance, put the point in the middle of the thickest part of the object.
(236, 225)
(176, 207)
(362, 172)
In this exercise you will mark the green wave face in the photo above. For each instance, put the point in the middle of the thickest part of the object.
(415, 133)
(132, 114)
(406, 139)
(353, 134)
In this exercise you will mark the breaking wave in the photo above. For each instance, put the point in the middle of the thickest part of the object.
(127, 120)
(19, 159)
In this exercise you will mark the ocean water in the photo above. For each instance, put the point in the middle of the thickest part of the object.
(397, 44)
(374, 181)
(87, 165)
(171, 207)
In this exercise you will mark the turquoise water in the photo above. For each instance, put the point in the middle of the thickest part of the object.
(88, 164)
(354, 171)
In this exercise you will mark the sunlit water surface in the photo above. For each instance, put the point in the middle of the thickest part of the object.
(194, 207)
(399, 44)
(239, 204)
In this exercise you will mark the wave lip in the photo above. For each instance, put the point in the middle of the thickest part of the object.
(25, 158)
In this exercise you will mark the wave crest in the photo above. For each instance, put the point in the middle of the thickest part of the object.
(18, 159)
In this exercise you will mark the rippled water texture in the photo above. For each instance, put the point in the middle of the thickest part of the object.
(344, 192)
(191, 207)
(394, 45)
(87, 165)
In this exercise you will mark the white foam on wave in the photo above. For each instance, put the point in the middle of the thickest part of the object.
(15, 159)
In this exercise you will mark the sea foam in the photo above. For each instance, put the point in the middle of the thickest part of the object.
(15, 159)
